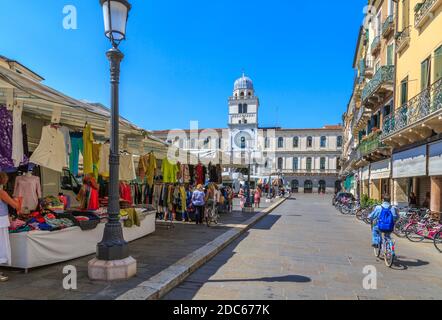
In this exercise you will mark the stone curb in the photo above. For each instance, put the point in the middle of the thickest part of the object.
(159, 285)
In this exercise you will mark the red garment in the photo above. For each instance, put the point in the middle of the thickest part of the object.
(199, 174)
(125, 192)
(93, 201)
(64, 200)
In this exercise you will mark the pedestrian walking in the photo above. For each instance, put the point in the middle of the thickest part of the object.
(198, 202)
(257, 197)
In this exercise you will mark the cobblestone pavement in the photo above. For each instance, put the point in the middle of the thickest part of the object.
(153, 253)
(305, 249)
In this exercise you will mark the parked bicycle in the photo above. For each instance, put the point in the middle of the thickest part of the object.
(427, 228)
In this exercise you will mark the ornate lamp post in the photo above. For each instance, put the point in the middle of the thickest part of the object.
(113, 247)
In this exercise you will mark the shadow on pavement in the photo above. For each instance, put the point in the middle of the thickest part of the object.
(403, 263)
(292, 278)
(267, 223)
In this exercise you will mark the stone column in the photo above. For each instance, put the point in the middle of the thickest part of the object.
(436, 193)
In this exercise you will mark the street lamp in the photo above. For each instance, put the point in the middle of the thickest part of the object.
(113, 247)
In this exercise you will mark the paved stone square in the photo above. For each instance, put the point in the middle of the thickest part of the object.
(305, 249)
(153, 253)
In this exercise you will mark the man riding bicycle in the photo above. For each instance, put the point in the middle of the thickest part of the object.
(383, 220)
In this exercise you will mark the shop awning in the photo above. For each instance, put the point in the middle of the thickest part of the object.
(365, 173)
(381, 170)
(435, 160)
(410, 163)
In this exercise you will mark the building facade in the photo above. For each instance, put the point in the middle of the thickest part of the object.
(393, 123)
(308, 160)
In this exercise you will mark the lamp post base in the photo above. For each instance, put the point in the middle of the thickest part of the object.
(101, 270)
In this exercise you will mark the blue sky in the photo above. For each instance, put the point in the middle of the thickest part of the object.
(182, 57)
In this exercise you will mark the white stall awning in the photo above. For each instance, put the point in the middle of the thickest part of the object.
(410, 163)
(381, 170)
(435, 161)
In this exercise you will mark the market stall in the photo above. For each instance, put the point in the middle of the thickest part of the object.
(40, 248)
(55, 152)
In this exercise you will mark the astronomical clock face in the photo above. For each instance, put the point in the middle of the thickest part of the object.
(242, 138)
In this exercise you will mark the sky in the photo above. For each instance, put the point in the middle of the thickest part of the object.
(182, 57)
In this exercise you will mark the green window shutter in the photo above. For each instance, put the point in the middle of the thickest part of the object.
(438, 64)
(390, 53)
(424, 75)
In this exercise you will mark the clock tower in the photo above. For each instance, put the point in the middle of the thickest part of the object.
(243, 115)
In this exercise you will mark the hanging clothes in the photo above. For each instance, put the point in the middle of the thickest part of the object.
(51, 152)
(103, 167)
(213, 174)
(6, 128)
(127, 168)
(17, 136)
(25, 140)
(191, 174)
(184, 173)
(126, 192)
(29, 188)
(219, 172)
(151, 168)
(200, 174)
(76, 149)
(88, 195)
(169, 170)
(96, 149)
(67, 141)
(88, 140)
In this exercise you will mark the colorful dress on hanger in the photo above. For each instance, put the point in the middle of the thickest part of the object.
(88, 140)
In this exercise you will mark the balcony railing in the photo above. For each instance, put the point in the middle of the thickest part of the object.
(403, 39)
(388, 26)
(371, 144)
(309, 172)
(376, 44)
(385, 74)
(424, 104)
(424, 10)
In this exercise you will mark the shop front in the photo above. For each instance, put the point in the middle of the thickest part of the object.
(409, 175)
(365, 181)
(435, 173)
(380, 174)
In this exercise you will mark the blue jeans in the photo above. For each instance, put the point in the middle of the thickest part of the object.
(185, 216)
(377, 234)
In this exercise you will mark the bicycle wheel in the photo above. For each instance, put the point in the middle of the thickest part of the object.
(399, 229)
(359, 214)
(377, 251)
(438, 241)
(389, 255)
(411, 233)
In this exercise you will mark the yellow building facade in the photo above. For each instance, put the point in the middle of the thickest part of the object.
(393, 123)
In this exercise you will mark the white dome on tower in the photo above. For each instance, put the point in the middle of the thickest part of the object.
(243, 83)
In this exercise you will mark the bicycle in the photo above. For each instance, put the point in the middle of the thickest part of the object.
(212, 215)
(387, 248)
(418, 231)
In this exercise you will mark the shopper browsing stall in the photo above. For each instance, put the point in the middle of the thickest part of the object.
(5, 200)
